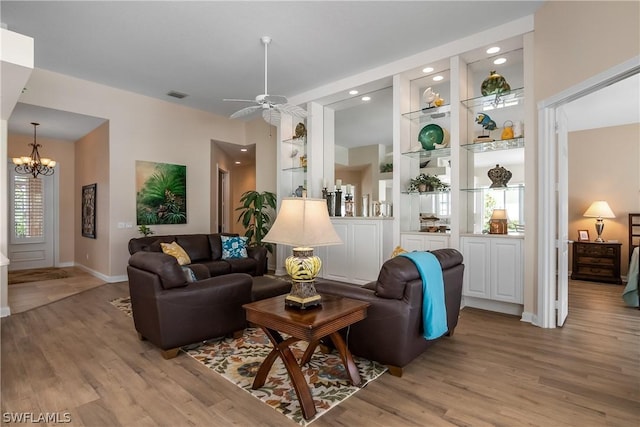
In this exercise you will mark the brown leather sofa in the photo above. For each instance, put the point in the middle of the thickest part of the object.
(392, 331)
(205, 251)
(171, 312)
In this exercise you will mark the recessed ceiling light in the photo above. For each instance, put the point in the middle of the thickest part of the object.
(427, 69)
(494, 49)
(437, 78)
(237, 163)
(353, 92)
(500, 61)
(366, 98)
(243, 149)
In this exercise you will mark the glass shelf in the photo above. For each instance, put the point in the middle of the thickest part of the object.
(298, 169)
(425, 192)
(485, 188)
(428, 154)
(426, 114)
(501, 100)
(296, 141)
(503, 144)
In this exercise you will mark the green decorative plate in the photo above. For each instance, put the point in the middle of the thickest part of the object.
(430, 135)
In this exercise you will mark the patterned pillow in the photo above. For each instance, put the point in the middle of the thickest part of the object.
(397, 251)
(234, 247)
(176, 250)
(189, 275)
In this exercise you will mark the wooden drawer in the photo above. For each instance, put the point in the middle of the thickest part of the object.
(595, 271)
(596, 250)
(596, 261)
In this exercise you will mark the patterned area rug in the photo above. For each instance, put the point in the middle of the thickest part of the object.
(238, 361)
(37, 275)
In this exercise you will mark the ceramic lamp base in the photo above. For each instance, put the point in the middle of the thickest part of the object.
(303, 295)
(303, 267)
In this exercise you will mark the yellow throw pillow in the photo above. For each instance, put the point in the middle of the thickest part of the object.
(176, 250)
(397, 251)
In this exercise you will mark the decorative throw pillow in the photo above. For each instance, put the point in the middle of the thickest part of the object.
(234, 247)
(176, 250)
(189, 274)
(397, 251)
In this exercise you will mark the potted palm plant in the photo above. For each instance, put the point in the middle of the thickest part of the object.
(257, 211)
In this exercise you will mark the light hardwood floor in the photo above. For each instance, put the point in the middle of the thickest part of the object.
(82, 355)
(25, 296)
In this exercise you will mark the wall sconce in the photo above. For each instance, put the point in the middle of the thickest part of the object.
(599, 209)
(498, 222)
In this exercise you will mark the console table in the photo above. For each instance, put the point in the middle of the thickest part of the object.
(596, 262)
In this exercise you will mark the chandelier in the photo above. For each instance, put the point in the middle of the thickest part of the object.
(34, 164)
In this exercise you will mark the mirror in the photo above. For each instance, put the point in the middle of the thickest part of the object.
(363, 135)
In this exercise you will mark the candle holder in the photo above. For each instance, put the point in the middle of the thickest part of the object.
(338, 203)
(348, 205)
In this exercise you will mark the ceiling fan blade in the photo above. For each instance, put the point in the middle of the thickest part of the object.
(240, 100)
(292, 110)
(271, 116)
(276, 99)
(246, 111)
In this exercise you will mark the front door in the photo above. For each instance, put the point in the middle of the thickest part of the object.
(31, 219)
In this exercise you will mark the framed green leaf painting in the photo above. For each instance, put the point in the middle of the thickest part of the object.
(161, 193)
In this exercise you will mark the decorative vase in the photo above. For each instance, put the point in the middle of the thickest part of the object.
(422, 188)
(499, 177)
(507, 130)
(494, 84)
(299, 191)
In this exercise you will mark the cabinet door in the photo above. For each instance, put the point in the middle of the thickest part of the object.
(412, 242)
(476, 253)
(506, 270)
(365, 256)
(336, 263)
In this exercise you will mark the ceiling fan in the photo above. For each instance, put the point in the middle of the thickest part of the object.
(270, 105)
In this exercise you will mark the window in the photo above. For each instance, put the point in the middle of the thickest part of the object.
(28, 209)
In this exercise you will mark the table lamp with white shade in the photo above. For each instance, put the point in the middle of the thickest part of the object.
(303, 223)
(599, 209)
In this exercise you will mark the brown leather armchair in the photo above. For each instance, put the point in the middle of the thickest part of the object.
(171, 312)
(392, 331)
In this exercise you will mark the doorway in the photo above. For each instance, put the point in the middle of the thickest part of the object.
(32, 216)
(223, 201)
(553, 190)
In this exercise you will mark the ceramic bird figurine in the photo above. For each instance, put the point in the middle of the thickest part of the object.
(486, 122)
(428, 96)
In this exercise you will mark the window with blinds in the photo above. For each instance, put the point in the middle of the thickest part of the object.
(28, 207)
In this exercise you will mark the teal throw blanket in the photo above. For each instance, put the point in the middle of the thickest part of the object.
(434, 310)
(630, 293)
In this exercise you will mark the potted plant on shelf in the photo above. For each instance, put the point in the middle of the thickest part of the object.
(425, 182)
(256, 215)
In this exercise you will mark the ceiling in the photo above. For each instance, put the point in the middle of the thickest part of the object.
(211, 50)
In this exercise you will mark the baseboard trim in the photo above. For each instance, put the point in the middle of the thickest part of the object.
(529, 318)
(108, 279)
(492, 305)
(65, 264)
(5, 311)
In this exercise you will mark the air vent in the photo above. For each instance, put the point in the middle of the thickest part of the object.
(177, 94)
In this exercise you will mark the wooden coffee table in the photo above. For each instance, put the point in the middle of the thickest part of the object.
(310, 325)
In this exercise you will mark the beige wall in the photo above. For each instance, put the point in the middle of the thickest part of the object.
(575, 40)
(614, 177)
(92, 167)
(63, 152)
(141, 128)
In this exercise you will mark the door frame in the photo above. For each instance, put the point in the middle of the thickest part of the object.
(550, 195)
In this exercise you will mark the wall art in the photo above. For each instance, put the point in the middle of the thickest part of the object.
(161, 193)
(89, 210)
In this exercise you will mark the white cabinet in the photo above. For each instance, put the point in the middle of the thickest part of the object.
(367, 244)
(493, 277)
(424, 241)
